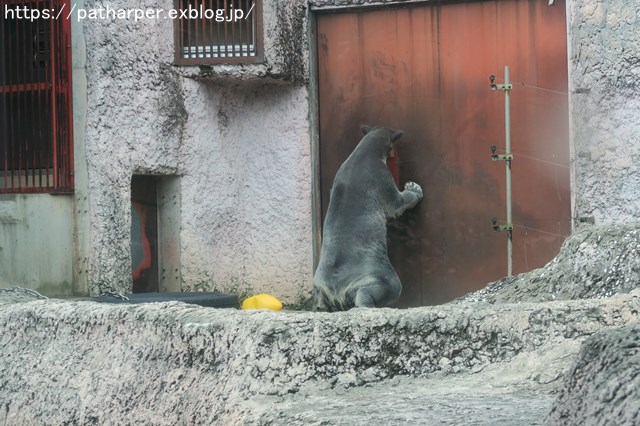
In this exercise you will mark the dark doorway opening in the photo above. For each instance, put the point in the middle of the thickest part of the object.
(144, 233)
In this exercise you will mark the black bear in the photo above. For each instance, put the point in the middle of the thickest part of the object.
(354, 269)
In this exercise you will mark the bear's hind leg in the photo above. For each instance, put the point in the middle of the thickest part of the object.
(321, 300)
(378, 294)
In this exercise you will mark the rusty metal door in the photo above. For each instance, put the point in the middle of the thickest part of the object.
(425, 69)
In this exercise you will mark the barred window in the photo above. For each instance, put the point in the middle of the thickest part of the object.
(36, 150)
(218, 31)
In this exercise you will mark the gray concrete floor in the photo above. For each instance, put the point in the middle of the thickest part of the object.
(408, 401)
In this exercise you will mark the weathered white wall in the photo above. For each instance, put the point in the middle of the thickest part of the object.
(134, 123)
(249, 228)
(42, 237)
(238, 137)
(36, 243)
(604, 46)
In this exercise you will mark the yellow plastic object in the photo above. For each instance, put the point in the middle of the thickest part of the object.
(262, 301)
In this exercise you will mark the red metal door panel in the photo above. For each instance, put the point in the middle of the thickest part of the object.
(425, 69)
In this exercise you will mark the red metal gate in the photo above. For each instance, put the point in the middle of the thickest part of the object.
(36, 150)
(425, 69)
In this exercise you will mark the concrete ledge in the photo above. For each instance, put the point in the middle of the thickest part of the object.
(169, 363)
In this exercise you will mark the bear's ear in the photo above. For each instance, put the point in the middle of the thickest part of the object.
(365, 129)
(397, 135)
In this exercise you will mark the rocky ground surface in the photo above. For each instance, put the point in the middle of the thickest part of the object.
(520, 392)
(409, 401)
(487, 359)
(604, 385)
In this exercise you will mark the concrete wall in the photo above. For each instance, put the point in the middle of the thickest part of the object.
(81, 212)
(36, 243)
(604, 59)
(238, 136)
(43, 238)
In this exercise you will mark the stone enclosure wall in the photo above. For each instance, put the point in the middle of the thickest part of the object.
(170, 363)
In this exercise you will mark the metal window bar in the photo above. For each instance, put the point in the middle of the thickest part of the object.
(36, 146)
(211, 33)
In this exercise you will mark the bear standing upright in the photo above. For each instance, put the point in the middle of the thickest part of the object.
(354, 268)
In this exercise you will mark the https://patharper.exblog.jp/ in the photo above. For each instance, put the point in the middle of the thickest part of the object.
(228, 14)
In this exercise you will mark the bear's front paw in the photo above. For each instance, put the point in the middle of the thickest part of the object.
(413, 187)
